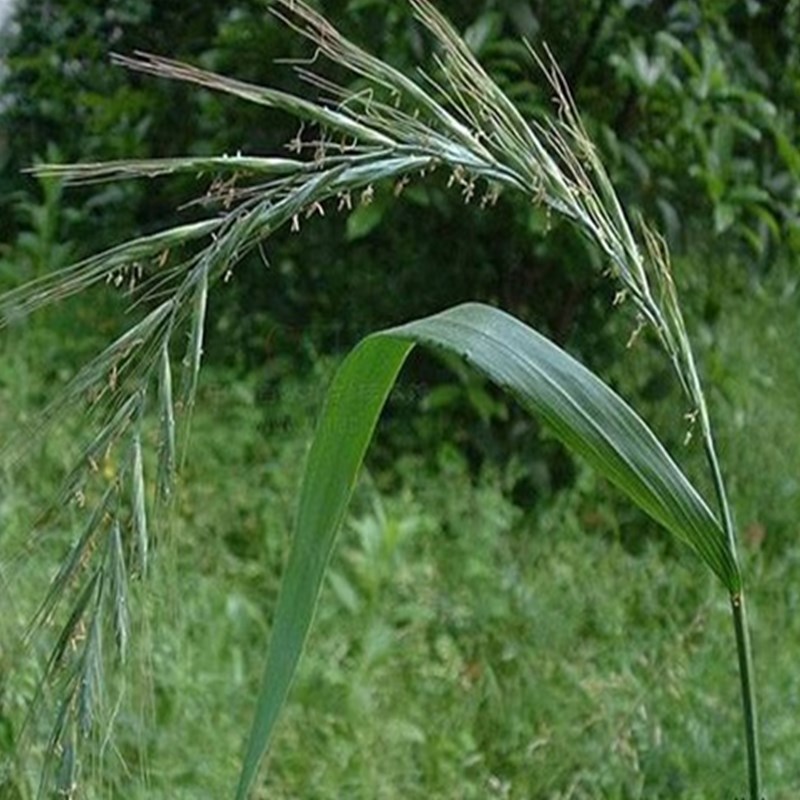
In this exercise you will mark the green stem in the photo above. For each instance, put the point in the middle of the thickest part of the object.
(748, 694)
(744, 650)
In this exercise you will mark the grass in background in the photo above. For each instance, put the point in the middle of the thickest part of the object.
(464, 648)
(759, 390)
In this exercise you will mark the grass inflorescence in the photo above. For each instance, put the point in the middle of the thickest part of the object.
(397, 129)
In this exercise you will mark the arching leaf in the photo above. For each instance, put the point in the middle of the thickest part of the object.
(579, 408)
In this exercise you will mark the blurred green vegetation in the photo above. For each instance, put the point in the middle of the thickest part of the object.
(464, 646)
(695, 107)
(498, 622)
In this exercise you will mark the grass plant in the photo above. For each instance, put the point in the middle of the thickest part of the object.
(392, 129)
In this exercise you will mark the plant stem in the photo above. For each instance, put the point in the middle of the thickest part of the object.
(744, 650)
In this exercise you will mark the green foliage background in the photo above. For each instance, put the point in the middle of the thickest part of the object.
(484, 525)
(694, 104)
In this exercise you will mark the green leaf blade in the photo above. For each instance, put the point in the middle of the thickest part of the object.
(352, 407)
(580, 409)
(586, 415)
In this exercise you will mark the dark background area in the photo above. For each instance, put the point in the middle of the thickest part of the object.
(693, 105)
